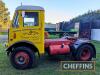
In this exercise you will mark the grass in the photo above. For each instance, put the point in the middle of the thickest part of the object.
(97, 44)
(46, 66)
(3, 33)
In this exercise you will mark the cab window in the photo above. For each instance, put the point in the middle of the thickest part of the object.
(31, 19)
(15, 21)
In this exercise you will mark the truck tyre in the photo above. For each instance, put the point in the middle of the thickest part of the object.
(84, 53)
(23, 58)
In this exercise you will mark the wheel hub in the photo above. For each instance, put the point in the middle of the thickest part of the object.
(85, 54)
(22, 58)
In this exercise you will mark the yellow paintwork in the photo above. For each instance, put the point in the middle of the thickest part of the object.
(33, 34)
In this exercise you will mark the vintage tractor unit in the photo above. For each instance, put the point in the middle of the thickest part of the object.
(27, 37)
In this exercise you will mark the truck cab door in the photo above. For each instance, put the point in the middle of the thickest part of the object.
(33, 28)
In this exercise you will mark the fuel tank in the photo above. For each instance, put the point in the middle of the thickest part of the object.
(57, 46)
(59, 49)
(49, 42)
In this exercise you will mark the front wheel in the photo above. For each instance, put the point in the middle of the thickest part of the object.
(84, 53)
(23, 58)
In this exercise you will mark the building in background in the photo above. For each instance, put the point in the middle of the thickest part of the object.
(50, 27)
(95, 31)
(89, 30)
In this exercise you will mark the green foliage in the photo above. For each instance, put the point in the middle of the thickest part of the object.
(88, 17)
(3, 33)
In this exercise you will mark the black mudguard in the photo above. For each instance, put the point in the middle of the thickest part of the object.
(80, 42)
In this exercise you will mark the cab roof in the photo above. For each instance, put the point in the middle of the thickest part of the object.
(26, 7)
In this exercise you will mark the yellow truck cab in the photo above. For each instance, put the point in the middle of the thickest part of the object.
(26, 40)
(26, 32)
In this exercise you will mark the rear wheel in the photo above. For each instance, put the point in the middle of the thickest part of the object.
(23, 58)
(84, 53)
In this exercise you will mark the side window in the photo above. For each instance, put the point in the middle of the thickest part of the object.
(15, 21)
(31, 19)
